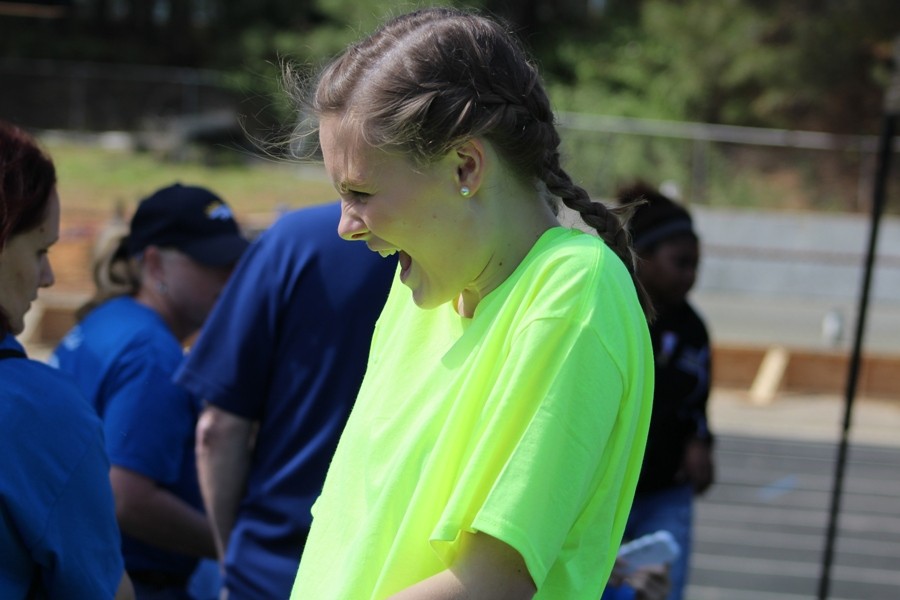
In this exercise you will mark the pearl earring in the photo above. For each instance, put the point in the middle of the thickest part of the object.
(464, 191)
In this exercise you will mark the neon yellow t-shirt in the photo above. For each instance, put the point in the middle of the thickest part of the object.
(526, 423)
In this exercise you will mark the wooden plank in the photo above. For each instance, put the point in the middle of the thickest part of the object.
(770, 375)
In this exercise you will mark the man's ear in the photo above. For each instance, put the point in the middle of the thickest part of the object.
(471, 159)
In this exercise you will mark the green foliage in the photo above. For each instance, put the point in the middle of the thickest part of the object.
(258, 78)
(255, 62)
(799, 65)
(802, 65)
(601, 163)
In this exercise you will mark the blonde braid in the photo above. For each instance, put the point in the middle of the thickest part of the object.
(115, 274)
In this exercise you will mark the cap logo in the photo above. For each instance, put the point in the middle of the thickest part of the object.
(217, 210)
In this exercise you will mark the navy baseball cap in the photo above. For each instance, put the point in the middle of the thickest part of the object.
(190, 219)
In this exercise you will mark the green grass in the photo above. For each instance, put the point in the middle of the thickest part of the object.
(94, 179)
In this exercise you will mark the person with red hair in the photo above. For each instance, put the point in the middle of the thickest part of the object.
(58, 532)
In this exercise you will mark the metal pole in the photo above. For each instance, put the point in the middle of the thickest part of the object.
(885, 149)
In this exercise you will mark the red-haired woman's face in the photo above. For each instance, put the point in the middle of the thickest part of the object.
(25, 267)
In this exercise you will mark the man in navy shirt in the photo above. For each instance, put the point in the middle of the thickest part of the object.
(279, 363)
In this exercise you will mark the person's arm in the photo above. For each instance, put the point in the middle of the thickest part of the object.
(487, 569)
(126, 590)
(697, 464)
(154, 515)
(650, 582)
(224, 444)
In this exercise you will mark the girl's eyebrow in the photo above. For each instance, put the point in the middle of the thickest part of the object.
(347, 184)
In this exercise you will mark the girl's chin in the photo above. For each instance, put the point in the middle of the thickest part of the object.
(426, 301)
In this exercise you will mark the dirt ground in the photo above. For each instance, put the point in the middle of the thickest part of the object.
(71, 256)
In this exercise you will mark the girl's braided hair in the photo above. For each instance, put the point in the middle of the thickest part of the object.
(428, 80)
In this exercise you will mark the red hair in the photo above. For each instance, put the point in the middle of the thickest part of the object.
(27, 176)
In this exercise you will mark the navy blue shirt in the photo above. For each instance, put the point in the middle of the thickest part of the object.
(683, 365)
(57, 518)
(287, 346)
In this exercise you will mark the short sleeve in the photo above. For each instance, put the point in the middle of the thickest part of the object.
(554, 409)
(147, 415)
(229, 364)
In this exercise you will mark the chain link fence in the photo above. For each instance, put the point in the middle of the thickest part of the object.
(721, 165)
(706, 164)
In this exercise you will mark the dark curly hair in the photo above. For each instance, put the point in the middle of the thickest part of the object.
(656, 218)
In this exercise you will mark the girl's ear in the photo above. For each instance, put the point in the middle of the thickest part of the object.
(471, 159)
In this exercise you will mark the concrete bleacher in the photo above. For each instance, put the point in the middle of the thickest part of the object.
(780, 292)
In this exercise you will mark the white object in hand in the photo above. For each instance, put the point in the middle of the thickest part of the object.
(652, 549)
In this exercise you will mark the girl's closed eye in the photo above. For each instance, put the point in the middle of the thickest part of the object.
(359, 196)
(354, 194)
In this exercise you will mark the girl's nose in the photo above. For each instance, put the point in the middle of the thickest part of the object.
(351, 226)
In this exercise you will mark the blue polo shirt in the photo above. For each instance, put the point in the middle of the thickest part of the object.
(57, 518)
(287, 346)
(122, 356)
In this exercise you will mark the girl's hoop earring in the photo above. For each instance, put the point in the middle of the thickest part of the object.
(464, 192)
